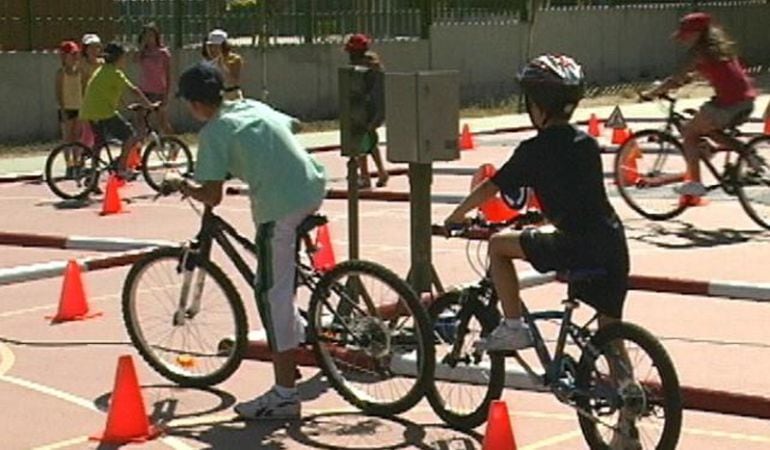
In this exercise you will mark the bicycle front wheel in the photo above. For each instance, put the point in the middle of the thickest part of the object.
(371, 337)
(648, 166)
(172, 155)
(177, 313)
(71, 171)
(466, 380)
(628, 391)
(753, 181)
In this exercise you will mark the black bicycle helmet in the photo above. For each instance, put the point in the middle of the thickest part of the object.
(553, 82)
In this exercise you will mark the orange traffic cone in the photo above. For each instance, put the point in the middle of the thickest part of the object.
(323, 258)
(466, 139)
(629, 169)
(593, 126)
(499, 434)
(620, 135)
(112, 203)
(767, 126)
(495, 210)
(134, 159)
(126, 419)
(72, 302)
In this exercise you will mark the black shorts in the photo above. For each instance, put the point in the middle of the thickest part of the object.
(115, 127)
(67, 114)
(604, 251)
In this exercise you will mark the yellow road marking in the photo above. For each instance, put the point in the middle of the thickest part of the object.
(19, 312)
(172, 442)
(6, 359)
(558, 439)
(63, 444)
(727, 435)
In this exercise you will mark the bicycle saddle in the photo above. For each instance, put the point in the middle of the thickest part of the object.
(310, 223)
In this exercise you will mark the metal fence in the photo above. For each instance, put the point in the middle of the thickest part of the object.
(41, 24)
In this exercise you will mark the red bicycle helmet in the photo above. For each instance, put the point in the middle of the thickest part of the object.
(358, 43)
(693, 23)
(69, 47)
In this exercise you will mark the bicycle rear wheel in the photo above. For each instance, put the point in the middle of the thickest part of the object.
(753, 181)
(71, 171)
(182, 343)
(371, 337)
(466, 381)
(172, 155)
(647, 168)
(639, 401)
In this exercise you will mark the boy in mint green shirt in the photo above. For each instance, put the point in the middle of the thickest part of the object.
(253, 142)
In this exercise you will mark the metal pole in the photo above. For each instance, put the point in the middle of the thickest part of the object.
(421, 272)
(426, 18)
(353, 244)
(178, 24)
(29, 25)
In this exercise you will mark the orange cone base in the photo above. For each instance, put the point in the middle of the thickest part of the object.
(691, 202)
(103, 213)
(57, 319)
(152, 433)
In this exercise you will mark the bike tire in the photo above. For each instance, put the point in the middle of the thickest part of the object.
(424, 358)
(237, 346)
(660, 359)
(71, 187)
(153, 178)
(758, 148)
(470, 308)
(628, 182)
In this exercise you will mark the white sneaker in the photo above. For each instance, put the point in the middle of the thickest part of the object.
(692, 189)
(506, 338)
(270, 406)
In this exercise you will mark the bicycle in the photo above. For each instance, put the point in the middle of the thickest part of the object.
(586, 370)
(370, 334)
(651, 162)
(73, 170)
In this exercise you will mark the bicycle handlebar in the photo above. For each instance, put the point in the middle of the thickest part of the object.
(136, 107)
(478, 228)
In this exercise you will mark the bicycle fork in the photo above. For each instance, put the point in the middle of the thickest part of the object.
(192, 287)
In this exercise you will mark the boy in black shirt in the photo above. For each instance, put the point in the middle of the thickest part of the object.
(564, 167)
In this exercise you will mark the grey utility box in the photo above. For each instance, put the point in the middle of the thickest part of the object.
(422, 113)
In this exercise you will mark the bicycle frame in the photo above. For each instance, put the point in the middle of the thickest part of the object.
(551, 363)
(215, 229)
(730, 143)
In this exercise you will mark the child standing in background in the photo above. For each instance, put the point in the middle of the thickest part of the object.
(92, 56)
(154, 61)
(69, 90)
(91, 60)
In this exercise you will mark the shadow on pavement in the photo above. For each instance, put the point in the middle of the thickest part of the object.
(162, 402)
(325, 431)
(678, 234)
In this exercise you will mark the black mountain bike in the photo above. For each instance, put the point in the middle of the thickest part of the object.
(370, 334)
(615, 396)
(73, 170)
(650, 164)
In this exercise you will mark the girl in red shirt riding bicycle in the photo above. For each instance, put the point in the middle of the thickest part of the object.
(712, 55)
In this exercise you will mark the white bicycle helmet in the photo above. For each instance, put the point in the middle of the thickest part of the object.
(554, 82)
